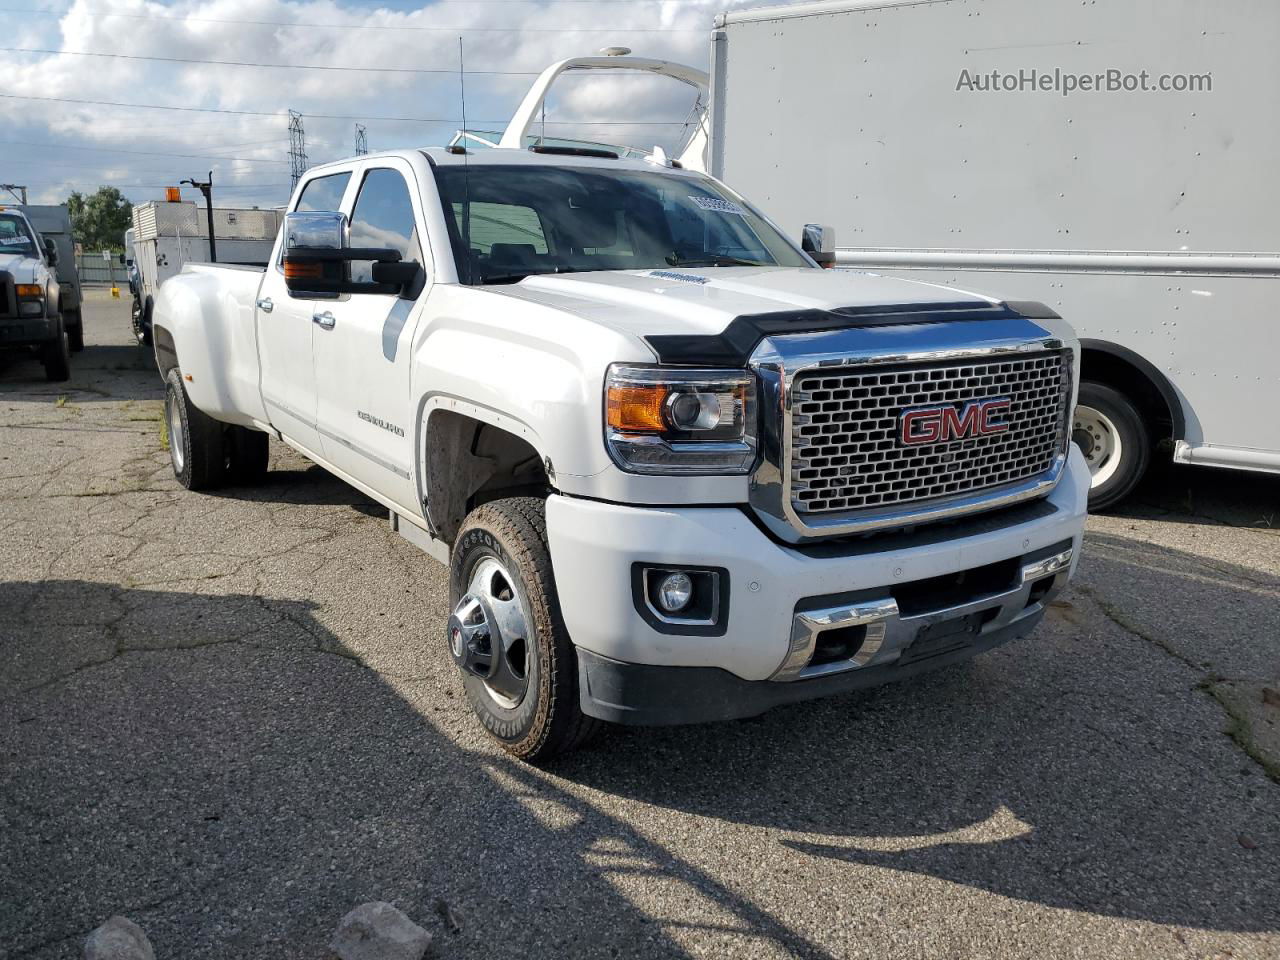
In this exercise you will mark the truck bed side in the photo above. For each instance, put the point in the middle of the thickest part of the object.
(204, 323)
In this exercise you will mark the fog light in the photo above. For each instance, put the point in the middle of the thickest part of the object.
(675, 591)
(30, 308)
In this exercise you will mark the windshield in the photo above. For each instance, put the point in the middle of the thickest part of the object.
(509, 222)
(15, 236)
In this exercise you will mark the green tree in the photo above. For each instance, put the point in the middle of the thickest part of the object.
(100, 219)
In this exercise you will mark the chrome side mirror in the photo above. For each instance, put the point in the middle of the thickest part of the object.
(317, 260)
(819, 242)
(323, 229)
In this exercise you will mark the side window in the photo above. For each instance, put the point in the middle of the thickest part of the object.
(323, 193)
(383, 217)
(506, 224)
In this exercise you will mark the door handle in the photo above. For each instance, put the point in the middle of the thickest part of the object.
(326, 320)
(265, 305)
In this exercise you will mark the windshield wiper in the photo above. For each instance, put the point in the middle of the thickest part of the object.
(713, 260)
(503, 278)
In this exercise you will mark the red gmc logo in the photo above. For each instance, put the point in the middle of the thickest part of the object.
(977, 418)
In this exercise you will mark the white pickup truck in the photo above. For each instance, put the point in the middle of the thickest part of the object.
(679, 472)
(31, 304)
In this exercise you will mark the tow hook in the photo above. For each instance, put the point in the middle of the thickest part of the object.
(470, 639)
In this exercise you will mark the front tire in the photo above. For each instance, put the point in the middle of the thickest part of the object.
(1111, 433)
(197, 442)
(518, 664)
(56, 355)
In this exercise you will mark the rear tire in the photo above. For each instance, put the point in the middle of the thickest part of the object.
(56, 355)
(509, 538)
(197, 442)
(1111, 433)
(75, 330)
(247, 455)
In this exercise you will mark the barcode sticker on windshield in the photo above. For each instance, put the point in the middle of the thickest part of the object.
(719, 206)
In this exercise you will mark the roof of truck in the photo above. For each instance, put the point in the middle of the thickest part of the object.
(444, 157)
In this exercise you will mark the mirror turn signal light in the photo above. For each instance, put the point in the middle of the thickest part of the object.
(303, 270)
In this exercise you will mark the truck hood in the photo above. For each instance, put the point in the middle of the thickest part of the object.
(706, 300)
(22, 269)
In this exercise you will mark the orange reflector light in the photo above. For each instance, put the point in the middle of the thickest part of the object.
(302, 270)
(173, 194)
(30, 290)
(636, 409)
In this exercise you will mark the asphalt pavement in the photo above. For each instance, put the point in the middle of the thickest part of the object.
(232, 718)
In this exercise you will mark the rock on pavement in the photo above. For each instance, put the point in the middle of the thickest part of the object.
(118, 939)
(378, 931)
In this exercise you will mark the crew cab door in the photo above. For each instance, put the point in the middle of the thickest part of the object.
(286, 330)
(363, 341)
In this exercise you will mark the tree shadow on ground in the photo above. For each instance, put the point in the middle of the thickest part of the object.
(219, 770)
(131, 370)
(1080, 768)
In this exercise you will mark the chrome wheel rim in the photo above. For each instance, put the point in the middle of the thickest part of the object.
(177, 448)
(493, 589)
(1098, 439)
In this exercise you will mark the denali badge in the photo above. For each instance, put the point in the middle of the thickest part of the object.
(379, 422)
(977, 418)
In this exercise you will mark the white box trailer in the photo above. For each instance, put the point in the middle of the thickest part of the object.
(168, 235)
(1147, 218)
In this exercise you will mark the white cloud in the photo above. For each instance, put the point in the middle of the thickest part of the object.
(532, 35)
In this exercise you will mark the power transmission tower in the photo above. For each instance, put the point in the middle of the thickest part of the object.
(17, 190)
(297, 148)
(362, 142)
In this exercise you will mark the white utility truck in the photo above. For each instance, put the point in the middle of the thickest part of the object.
(167, 235)
(1112, 159)
(679, 472)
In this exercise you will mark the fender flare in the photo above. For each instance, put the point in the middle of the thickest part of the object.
(1148, 370)
(448, 403)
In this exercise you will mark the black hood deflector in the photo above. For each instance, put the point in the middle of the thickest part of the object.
(734, 345)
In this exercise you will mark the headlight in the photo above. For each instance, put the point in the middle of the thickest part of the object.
(30, 299)
(664, 420)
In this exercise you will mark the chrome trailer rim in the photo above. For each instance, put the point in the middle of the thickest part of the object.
(1098, 439)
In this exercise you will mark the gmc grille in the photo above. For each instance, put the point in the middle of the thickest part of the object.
(847, 452)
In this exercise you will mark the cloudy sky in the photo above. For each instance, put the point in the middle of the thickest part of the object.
(154, 53)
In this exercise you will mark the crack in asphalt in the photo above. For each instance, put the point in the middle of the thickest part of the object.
(1238, 729)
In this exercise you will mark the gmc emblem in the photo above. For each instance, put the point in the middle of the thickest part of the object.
(943, 424)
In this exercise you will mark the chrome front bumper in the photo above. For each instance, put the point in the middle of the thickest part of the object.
(887, 635)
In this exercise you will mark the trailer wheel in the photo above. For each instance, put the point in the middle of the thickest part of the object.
(75, 330)
(247, 454)
(1110, 432)
(56, 354)
(142, 321)
(507, 636)
(197, 444)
